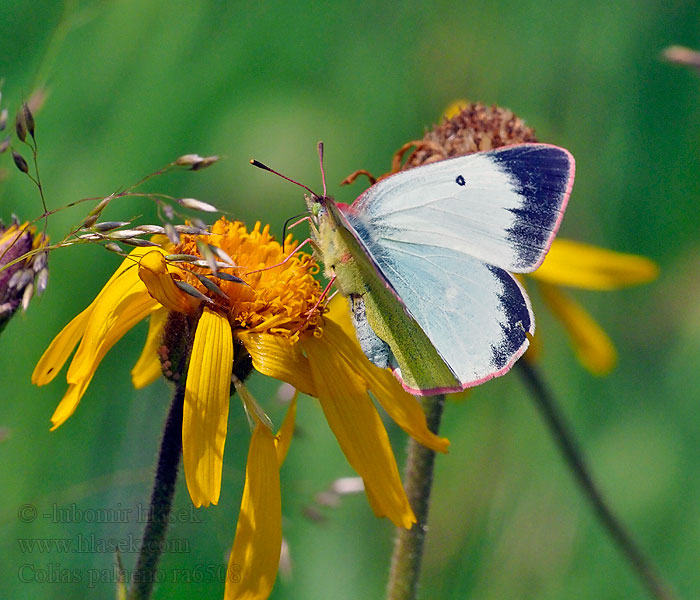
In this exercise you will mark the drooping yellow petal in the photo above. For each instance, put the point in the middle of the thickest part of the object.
(127, 268)
(112, 316)
(156, 275)
(205, 413)
(373, 502)
(592, 345)
(147, 369)
(66, 407)
(278, 357)
(357, 427)
(122, 317)
(284, 435)
(589, 267)
(60, 348)
(252, 566)
(403, 408)
(62, 345)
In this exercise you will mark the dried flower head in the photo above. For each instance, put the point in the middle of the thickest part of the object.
(23, 272)
(467, 127)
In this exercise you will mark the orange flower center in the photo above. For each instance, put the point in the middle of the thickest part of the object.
(281, 294)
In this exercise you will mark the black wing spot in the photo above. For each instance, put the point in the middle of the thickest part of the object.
(460, 180)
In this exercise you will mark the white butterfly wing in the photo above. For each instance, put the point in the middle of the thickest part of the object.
(502, 207)
(442, 235)
(476, 315)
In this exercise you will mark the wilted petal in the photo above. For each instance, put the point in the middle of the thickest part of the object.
(205, 413)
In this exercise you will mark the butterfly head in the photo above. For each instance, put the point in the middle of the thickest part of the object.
(317, 205)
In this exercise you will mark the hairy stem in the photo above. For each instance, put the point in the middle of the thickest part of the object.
(161, 500)
(418, 481)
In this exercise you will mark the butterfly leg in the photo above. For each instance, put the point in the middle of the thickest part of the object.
(309, 241)
(321, 298)
(299, 221)
(353, 176)
(375, 348)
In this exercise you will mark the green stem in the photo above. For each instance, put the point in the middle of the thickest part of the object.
(418, 481)
(544, 400)
(161, 501)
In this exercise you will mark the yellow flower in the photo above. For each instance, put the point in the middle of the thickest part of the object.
(265, 309)
(579, 265)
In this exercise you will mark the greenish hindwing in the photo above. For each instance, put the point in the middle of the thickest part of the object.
(420, 365)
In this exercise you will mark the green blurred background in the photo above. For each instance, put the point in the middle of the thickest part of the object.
(133, 84)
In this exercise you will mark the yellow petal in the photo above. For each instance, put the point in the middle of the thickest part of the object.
(403, 408)
(147, 369)
(277, 357)
(155, 273)
(66, 407)
(62, 345)
(112, 316)
(373, 502)
(205, 413)
(132, 309)
(358, 429)
(60, 348)
(252, 566)
(284, 436)
(592, 345)
(589, 267)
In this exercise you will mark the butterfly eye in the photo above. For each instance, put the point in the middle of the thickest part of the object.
(460, 180)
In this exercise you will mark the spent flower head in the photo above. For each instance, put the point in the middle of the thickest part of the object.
(23, 268)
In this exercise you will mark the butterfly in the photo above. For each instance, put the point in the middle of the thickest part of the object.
(425, 258)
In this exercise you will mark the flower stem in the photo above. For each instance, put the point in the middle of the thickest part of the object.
(161, 500)
(544, 400)
(418, 481)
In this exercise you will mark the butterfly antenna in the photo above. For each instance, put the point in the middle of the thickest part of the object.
(323, 172)
(257, 163)
(286, 223)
